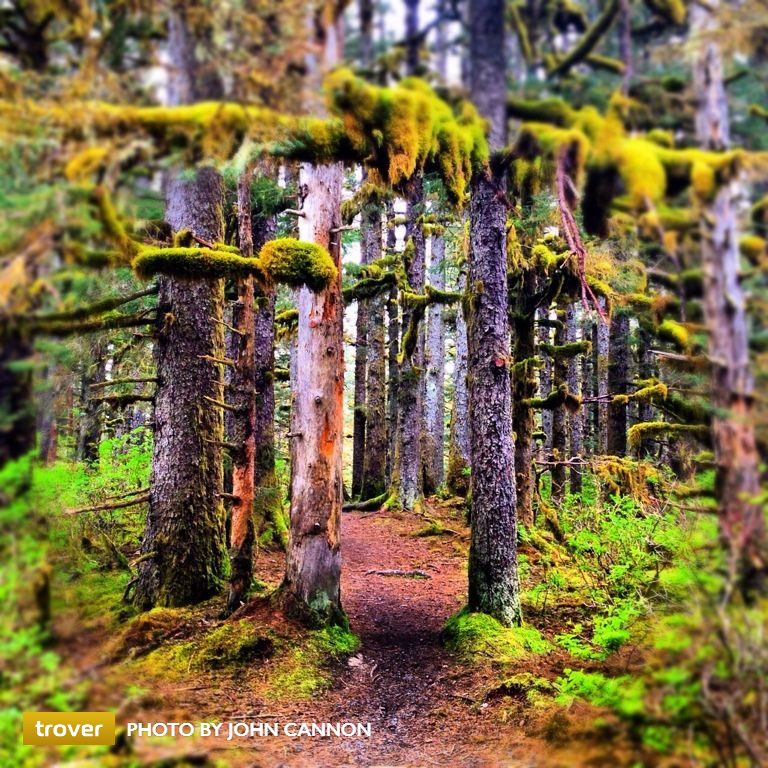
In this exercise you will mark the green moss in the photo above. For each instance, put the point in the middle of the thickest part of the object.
(472, 635)
(652, 430)
(296, 263)
(148, 630)
(556, 398)
(113, 228)
(304, 670)
(567, 351)
(194, 262)
(674, 332)
(673, 11)
(752, 247)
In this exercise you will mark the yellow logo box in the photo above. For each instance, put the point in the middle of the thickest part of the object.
(69, 728)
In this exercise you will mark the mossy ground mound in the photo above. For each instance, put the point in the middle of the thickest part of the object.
(149, 630)
(473, 635)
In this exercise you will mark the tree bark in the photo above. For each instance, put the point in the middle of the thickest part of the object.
(545, 379)
(559, 419)
(618, 379)
(408, 476)
(242, 396)
(311, 590)
(434, 396)
(493, 577)
(601, 351)
(393, 367)
(89, 434)
(741, 518)
(185, 524)
(374, 465)
(459, 447)
(268, 506)
(368, 248)
(576, 420)
(523, 417)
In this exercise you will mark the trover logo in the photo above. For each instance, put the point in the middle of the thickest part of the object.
(69, 728)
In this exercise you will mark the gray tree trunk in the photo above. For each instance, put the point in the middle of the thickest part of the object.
(601, 351)
(545, 378)
(408, 476)
(618, 379)
(576, 420)
(559, 419)
(434, 396)
(493, 577)
(374, 466)
(311, 589)
(185, 524)
(459, 447)
(741, 518)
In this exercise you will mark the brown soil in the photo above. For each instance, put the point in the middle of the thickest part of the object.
(424, 707)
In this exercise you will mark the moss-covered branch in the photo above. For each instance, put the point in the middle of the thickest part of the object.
(589, 40)
(654, 430)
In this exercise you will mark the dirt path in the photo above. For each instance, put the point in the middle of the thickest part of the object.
(403, 682)
(423, 707)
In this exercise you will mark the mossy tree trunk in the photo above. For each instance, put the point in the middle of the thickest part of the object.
(601, 350)
(457, 478)
(575, 419)
(646, 370)
(492, 570)
(523, 416)
(408, 476)
(741, 518)
(559, 418)
(94, 372)
(367, 247)
(241, 396)
(393, 347)
(545, 378)
(17, 414)
(434, 394)
(185, 526)
(618, 380)
(268, 508)
(311, 589)
(374, 465)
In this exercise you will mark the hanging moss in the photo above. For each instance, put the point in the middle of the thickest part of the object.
(653, 430)
(369, 287)
(112, 226)
(408, 128)
(85, 163)
(295, 263)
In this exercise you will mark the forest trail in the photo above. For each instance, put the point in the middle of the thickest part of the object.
(423, 706)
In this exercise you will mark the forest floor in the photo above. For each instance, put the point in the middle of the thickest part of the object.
(425, 706)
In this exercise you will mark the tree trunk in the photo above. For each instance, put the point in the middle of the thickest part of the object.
(89, 434)
(618, 378)
(576, 420)
(185, 526)
(493, 577)
(369, 248)
(408, 480)
(393, 348)
(268, 508)
(311, 590)
(459, 447)
(434, 395)
(545, 379)
(242, 396)
(559, 419)
(741, 518)
(601, 351)
(17, 414)
(523, 416)
(374, 466)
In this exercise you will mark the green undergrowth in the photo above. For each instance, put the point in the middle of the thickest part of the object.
(292, 667)
(477, 636)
